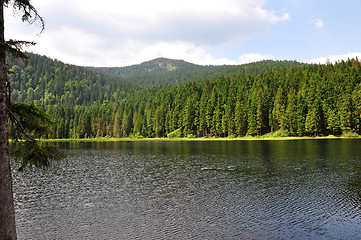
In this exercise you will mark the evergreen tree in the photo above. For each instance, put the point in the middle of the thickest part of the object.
(240, 119)
(188, 117)
(291, 113)
(345, 112)
(117, 125)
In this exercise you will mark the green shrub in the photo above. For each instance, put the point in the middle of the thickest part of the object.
(349, 134)
(191, 136)
(175, 134)
(136, 136)
(278, 133)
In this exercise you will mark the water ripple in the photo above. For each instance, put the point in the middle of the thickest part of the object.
(137, 191)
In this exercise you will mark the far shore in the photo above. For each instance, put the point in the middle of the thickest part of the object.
(247, 138)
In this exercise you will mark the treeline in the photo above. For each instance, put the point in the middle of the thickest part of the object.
(309, 100)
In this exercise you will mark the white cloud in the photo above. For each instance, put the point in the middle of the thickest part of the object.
(335, 58)
(206, 22)
(254, 57)
(119, 32)
(85, 48)
(318, 23)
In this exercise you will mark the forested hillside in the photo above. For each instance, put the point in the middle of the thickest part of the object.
(45, 82)
(183, 99)
(162, 71)
(50, 82)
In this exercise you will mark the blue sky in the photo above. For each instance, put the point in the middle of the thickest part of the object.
(207, 32)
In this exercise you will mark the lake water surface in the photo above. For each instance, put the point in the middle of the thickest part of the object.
(301, 189)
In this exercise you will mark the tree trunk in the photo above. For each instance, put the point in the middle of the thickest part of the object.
(7, 212)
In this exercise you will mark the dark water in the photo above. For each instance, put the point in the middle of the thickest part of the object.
(302, 189)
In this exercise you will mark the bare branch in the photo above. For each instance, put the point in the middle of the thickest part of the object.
(28, 11)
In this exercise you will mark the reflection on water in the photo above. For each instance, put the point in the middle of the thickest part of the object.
(303, 189)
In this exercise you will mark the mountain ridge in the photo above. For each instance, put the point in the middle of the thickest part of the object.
(171, 71)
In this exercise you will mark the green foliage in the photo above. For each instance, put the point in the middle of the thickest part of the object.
(27, 119)
(136, 136)
(14, 48)
(163, 71)
(232, 136)
(278, 133)
(175, 134)
(191, 136)
(33, 154)
(173, 98)
(55, 83)
(349, 134)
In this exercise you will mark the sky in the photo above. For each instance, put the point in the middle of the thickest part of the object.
(116, 33)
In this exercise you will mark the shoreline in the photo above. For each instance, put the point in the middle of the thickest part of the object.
(165, 139)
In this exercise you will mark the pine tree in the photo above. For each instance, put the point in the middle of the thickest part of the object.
(345, 111)
(202, 114)
(240, 119)
(291, 113)
(125, 127)
(117, 125)
(278, 120)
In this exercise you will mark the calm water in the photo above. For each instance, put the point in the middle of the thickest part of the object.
(302, 189)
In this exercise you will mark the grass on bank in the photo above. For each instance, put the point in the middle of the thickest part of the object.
(278, 135)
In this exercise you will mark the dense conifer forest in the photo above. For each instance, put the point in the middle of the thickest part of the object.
(173, 98)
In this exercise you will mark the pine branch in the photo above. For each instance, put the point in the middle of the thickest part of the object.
(20, 125)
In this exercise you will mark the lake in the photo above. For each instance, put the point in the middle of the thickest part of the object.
(301, 189)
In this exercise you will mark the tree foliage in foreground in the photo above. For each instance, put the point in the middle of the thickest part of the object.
(7, 211)
(28, 122)
(23, 117)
